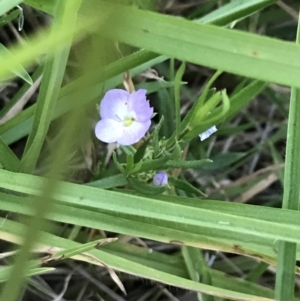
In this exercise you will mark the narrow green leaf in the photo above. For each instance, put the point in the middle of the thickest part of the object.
(139, 155)
(6, 5)
(186, 186)
(18, 69)
(197, 268)
(118, 164)
(187, 164)
(20, 93)
(156, 136)
(223, 160)
(109, 182)
(236, 9)
(63, 254)
(229, 50)
(7, 158)
(177, 95)
(285, 275)
(142, 187)
(52, 79)
(156, 164)
(201, 99)
(8, 18)
(152, 87)
(129, 163)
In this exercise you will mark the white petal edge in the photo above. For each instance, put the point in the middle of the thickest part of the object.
(208, 133)
(134, 133)
(109, 130)
(114, 104)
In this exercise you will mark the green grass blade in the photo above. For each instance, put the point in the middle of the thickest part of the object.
(66, 10)
(219, 48)
(7, 158)
(140, 270)
(6, 5)
(80, 195)
(197, 269)
(285, 276)
(52, 79)
(178, 78)
(20, 93)
(17, 70)
(236, 9)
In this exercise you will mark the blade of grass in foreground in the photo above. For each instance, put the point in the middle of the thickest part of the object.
(285, 275)
(52, 79)
(134, 268)
(234, 51)
(7, 5)
(73, 195)
(65, 17)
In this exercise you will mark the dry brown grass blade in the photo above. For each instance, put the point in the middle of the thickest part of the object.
(257, 188)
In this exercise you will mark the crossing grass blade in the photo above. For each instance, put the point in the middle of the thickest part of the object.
(285, 276)
(233, 51)
(6, 5)
(138, 269)
(183, 215)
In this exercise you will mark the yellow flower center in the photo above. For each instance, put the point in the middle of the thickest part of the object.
(128, 121)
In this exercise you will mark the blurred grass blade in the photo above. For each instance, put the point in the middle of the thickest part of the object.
(8, 18)
(285, 275)
(53, 74)
(18, 69)
(65, 17)
(89, 88)
(6, 5)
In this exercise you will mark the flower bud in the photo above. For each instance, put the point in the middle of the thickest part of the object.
(160, 178)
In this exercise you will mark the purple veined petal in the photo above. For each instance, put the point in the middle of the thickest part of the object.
(140, 105)
(134, 133)
(160, 178)
(109, 130)
(208, 133)
(114, 104)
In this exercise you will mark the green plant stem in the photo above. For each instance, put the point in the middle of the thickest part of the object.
(285, 276)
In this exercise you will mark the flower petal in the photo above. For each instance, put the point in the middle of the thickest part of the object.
(140, 105)
(114, 104)
(134, 133)
(109, 130)
(208, 133)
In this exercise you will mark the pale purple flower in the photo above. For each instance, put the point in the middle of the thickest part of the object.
(208, 133)
(125, 117)
(160, 178)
